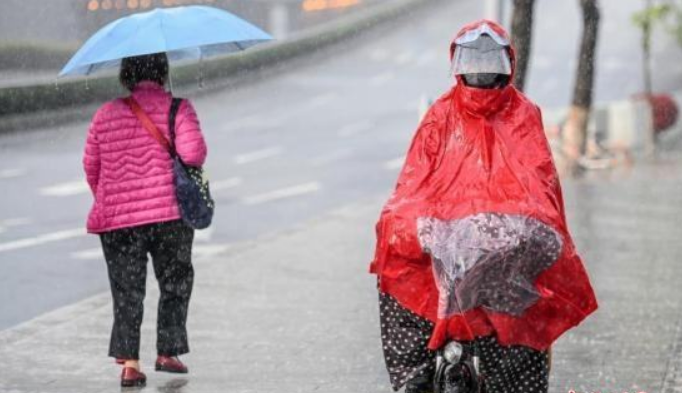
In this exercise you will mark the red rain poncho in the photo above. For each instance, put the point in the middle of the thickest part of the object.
(480, 153)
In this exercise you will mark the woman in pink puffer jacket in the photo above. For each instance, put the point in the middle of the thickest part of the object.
(135, 212)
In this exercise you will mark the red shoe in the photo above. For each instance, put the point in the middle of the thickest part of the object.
(120, 361)
(131, 377)
(170, 365)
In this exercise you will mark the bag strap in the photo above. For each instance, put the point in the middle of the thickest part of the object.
(175, 107)
(149, 125)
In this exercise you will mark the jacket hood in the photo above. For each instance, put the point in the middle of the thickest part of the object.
(484, 102)
(496, 27)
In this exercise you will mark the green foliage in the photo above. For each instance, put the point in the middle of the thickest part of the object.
(667, 14)
(648, 16)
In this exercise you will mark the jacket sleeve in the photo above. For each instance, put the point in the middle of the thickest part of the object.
(91, 157)
(189, 141)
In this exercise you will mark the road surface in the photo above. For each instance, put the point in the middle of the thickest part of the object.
(305, 138)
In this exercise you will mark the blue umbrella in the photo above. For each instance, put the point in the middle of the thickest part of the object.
(185, 33)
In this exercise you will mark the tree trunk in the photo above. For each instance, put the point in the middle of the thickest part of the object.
(575, 133)
(522, 32)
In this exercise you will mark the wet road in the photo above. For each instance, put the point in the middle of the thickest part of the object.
(299, 313)
(305, 139)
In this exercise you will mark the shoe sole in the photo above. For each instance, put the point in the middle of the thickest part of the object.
(134, 384)
(170, 370)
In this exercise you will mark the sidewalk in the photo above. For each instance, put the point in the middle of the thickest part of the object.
(298, 312)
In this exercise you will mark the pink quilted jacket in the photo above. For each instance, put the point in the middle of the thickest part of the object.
(129, 173)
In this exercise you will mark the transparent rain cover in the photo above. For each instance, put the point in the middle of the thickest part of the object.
(489, 260)
(484, 29)
(482, 56)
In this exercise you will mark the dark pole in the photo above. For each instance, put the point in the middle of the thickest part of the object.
(522, 34)
(575, 131)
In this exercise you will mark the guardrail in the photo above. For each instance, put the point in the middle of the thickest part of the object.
(48, 104)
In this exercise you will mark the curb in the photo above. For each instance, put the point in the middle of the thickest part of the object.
(55, 103)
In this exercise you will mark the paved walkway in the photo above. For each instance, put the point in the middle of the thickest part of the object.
(298, 312)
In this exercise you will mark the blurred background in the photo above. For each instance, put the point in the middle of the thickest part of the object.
(37, 37)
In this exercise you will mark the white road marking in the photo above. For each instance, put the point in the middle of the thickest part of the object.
(209, 250)
(382, 78)
(283, 193)
(204, 235)
(11, 173)
(355, 128)
(66, 189)
(199, 251)
(88, 255)
(220, 185)
(322, 100)
(13, 222)
(426, 58)
(379, 54)
(404, 58)
(42, 239)
(395, 163)
(331, 157)
(257, 155)
(249, 122)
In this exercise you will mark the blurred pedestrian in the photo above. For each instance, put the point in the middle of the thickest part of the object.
(473, 247)
(135, 212)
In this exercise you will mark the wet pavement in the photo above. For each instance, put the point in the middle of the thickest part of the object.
(627, 226)
(297, 312)
(284, 147)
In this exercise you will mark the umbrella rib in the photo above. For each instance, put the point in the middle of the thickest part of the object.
(163, 35)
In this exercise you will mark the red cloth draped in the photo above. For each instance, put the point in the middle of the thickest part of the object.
(480, 151)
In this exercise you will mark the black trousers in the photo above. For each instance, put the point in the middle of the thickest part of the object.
(125, 251)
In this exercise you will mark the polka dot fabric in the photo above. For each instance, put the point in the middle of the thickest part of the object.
(405, 335)
(513, 369)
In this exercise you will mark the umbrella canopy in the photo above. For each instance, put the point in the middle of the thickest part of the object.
(490, 260)
(185, 33)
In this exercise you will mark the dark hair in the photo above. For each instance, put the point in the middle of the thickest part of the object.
(144, 68)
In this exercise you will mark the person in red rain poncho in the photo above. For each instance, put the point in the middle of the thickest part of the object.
(473, 244)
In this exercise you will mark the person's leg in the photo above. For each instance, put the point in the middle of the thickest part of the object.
(405, 338)
(126, 258)
(513, 369)
(171, 249)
